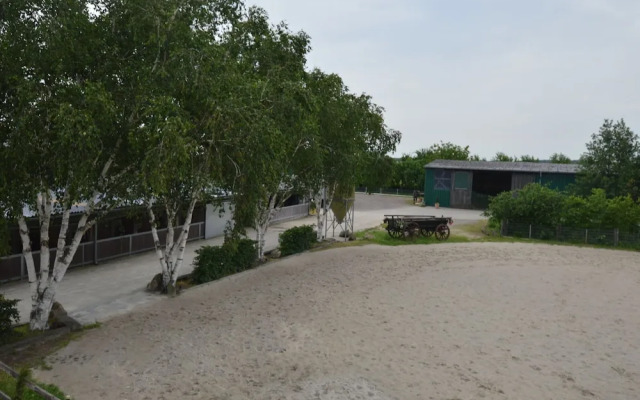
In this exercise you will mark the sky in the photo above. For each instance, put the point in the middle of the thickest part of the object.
(520, 77)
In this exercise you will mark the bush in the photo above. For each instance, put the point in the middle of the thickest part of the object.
(297, 239)
(534, 203)
(540, 205)
(8, 316)
(215, 262)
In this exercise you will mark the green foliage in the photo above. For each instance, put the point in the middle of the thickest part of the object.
(297, 239)
(4, 235)
(8, 385)
(444, 151)
(559, 158)
(612, 162)
(9, 315)
(529, 158)
(408, 172)
(215, 262)
(533, 203)
(381, 237)
(540, 205)
(500, 156)
(21, 383)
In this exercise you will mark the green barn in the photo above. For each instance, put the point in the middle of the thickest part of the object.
(468, 184)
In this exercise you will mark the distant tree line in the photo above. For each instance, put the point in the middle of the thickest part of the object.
(611, 162)
(408, 171)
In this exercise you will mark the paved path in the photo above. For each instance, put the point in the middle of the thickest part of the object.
(96, 293)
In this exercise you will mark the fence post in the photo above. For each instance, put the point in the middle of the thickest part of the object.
(503, 227)
(95, 243)
(586, 236)
(529, 231)
(616, 236)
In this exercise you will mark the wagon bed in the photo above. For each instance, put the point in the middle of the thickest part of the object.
(414, 225)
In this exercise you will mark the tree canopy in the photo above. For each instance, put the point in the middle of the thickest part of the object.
(108, 102)
(611, 162)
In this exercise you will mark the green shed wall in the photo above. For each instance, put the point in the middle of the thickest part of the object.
(558, 181)
(430, 194)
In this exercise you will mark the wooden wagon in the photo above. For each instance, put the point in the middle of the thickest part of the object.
(413, 225)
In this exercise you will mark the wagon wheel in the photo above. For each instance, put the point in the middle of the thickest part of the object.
(394, 232)
(413, 229)
(426, 232)
(442, 232)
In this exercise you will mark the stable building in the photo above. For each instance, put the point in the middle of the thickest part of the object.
(468, 184)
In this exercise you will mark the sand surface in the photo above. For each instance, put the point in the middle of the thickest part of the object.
(447, 321)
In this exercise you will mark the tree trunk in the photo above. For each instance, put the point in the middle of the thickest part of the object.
(323, 204)
(172, 257)
(263, 219)
(182, 240)
(320, 214)
(43, 284)
(156, 244)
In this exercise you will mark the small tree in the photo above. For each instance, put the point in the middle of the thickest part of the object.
(611, 162)
(532, 204)
(502, 157)
(529, 158)
(559, 158)
(62, 127)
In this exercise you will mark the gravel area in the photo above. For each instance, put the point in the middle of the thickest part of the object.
(445, 321)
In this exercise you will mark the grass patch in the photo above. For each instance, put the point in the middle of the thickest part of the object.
(21, 332)
(477, 232)
(8, 386)
(380, 236)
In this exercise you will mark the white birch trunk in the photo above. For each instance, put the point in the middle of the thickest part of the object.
(182, 240)
(263, 219)
(44, 283)
(317, 198)
(156, 242)
(322, 209)
(172, 257)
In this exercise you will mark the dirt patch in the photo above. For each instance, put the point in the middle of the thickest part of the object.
(472, 320)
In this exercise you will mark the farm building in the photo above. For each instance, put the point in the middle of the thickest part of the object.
(468, 184)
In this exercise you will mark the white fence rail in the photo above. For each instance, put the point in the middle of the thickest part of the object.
(291, 212)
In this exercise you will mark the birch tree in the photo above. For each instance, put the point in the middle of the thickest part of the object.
(278, 138)
(190, 115)
(61, 146)
(351, 137)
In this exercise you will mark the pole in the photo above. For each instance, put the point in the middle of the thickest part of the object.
(95, 244)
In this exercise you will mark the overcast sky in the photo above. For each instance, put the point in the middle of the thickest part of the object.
(522, 77)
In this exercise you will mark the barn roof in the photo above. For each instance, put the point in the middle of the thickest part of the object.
(539, 167)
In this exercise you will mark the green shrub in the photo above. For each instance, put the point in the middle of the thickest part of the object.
(540, 205)
(297, 239)
(533, 203)
(215, 262)
(8, 316)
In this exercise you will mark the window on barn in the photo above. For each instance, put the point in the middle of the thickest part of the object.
(442, 180)
(461, 180)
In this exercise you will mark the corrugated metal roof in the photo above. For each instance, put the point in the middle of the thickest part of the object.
(505, 166)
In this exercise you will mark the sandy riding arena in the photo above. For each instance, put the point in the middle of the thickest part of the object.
(448, 321)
